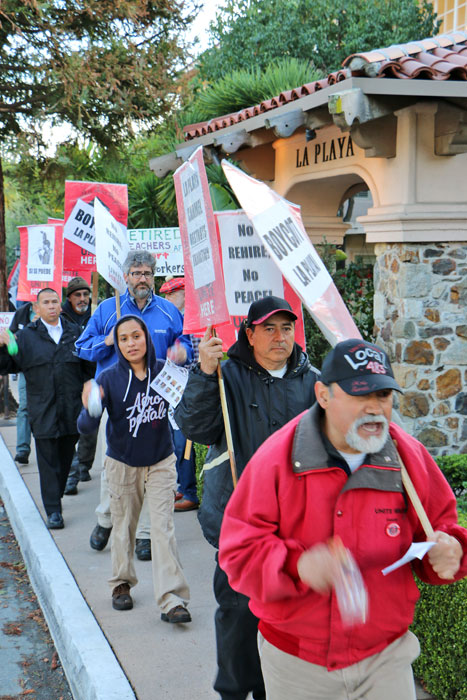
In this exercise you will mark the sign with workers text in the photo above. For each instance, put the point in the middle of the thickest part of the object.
(111, 247)
(164, 244)
(41, 260)
(280, 227)
(79, 229)
(205, 302)
(251, 274)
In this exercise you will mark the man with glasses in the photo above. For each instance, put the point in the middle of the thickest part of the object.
(96, 344)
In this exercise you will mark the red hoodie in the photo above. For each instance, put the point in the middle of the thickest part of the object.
(293, 495)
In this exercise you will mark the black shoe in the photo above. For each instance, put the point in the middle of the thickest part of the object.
(121, 598)
(177, 614)
(55, 521)
(99, 537)
(22, 459)
(71, 488)
(84, 474)
(143, 550)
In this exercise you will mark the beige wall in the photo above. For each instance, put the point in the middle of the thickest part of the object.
(453, 13)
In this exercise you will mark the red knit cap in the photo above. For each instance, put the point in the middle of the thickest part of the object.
(172, 285)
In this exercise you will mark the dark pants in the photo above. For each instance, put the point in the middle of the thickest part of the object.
(54, 457)
(83, 457)
(186, 468)
(239, 669)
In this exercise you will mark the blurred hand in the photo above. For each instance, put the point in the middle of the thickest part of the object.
(210, 352)
(110, 338)
(87, 390)
(317, 567)
(445, 557)
(4, 337)
(177, 353)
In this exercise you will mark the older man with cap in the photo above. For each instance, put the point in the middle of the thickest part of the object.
(77, 309)
(268, 380)
(323, 502)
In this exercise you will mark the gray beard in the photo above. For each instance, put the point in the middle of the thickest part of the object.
(371, 444)
(142, 292)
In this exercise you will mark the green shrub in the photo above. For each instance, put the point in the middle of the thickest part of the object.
(441, 626)
(200, 453)
(454, 468)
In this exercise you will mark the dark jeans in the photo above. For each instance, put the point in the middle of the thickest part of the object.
(83, 457)
(54, 457)
(186, 468)
(239, 668)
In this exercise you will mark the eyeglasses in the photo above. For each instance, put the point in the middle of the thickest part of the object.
(138, 274)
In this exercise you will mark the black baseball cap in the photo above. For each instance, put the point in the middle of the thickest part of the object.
(262, 309)
(358, 367)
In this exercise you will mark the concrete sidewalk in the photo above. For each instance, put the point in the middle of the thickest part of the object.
(106, 654)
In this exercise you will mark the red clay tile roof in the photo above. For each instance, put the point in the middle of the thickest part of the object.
(443, 57)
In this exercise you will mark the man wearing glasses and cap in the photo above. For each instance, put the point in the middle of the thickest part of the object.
(268, 380)
(320, 511)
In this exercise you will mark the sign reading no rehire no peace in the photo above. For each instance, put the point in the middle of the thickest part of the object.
(279, 225)
(111, 246)
(205, 294)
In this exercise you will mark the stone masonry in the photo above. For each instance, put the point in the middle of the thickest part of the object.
(420, 308)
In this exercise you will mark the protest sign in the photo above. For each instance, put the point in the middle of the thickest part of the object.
(41, 260)
(164, 244)
(12, 282)
(204, 283)
(170, 382)
(279, 225)
(251, 274)
(111, 247)
(6, 317)
(79, 228)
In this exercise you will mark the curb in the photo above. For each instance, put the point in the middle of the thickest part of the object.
(92, 669)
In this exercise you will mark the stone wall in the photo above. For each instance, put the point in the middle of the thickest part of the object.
(420, 310)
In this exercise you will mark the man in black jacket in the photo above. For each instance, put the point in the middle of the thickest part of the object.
(54, 379)
(77, 309)
(268, 381)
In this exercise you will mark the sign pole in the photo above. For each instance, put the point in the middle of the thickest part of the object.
(415, 498)
(117, 303)
(95, 288)
(225, 413)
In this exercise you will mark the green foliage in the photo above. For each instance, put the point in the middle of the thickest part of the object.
(355, 284)
(200, 452)
(254, 33)
(454, 468)
(246, 87)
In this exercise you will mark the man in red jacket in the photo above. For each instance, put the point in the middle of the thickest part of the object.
(332, 475)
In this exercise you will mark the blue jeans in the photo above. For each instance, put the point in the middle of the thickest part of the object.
(23, 429)
(186, 468)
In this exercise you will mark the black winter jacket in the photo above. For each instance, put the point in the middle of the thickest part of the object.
(258, 404)
(54, 377)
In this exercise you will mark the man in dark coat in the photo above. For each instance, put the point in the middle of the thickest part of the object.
(54, 376)
(268, 381)
(77, 309)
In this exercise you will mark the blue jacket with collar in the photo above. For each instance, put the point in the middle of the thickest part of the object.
(163, 319)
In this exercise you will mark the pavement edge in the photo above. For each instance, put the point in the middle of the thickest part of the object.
(92, 669)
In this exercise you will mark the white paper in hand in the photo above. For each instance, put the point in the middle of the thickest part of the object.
(170, 382)
(417, 550)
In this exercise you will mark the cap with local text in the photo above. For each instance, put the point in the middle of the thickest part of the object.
(359, 368)
(172, 284)
(262, 309)
(76, 284)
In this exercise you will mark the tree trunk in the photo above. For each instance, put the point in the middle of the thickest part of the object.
(3, 272)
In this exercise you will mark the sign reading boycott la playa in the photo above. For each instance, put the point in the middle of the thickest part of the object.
(204, 283)
(280, 227)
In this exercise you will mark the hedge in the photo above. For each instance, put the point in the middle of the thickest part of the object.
(441, 626)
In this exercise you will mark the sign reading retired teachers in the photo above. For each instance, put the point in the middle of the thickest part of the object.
(164, 244)
(205, 295)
